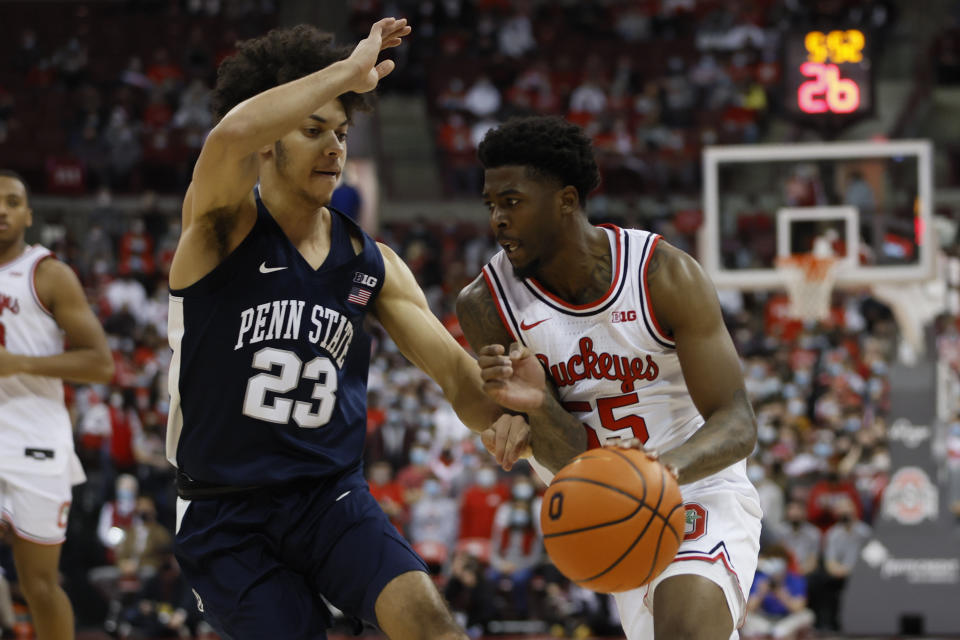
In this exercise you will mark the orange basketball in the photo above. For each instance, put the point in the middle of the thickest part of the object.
(612, 519)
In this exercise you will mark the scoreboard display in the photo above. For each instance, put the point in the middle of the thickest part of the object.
(828, 76)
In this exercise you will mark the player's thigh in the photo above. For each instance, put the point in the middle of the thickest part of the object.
(242, 589)
(366, 556)
(691, 607)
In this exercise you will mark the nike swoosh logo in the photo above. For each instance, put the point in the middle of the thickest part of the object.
(527, 327)
(265, 269)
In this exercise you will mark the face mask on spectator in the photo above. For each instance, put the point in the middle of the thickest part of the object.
(801, 377)
(418, 456)
(431, 487)
(773, 567)
(823, 449)
(486, 478)
(852, 425)
(522, 491)
(755, 473)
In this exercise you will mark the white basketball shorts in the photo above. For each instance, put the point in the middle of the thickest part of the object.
(721, 543)
(36, 506)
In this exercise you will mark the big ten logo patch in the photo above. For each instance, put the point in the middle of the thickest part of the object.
(623, 316)
(63, 515)
(696, 521)
(364, 279)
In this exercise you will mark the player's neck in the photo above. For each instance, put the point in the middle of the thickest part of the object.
(580, 271)
(12, 251)
(299, 217)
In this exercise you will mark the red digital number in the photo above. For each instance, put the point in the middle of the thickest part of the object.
(827, 91)
(605, 407)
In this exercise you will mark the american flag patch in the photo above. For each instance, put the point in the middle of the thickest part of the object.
(360, 296)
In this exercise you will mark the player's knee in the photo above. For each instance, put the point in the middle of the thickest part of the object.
(39, 587)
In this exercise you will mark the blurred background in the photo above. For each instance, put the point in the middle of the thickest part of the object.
(104, 106)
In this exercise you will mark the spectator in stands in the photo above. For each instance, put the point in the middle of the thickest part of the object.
(828, 493)
(515, 36)
(387, 493)
(165, 606)
(116, 516)
(777, 606)
(516, 547)
(841, 548)
(771, 498)
(433, 516)
(482, 98)
(469, 593)
(480, 502)
(800, 538)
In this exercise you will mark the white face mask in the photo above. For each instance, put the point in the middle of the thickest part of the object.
(486, 478)
(522, 491)
(755, 473)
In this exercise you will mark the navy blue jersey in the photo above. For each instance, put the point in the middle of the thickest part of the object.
(268, 380)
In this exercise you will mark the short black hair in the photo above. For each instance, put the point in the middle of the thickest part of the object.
(10, 173)
(280, 56)
(547, 145)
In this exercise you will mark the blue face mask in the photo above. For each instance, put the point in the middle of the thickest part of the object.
(823, 449)
(431, 488)
(418, 456)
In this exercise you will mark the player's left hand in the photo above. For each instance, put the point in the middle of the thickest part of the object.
(8, 363)
(514, 380)
(653, 454)
(508, 439)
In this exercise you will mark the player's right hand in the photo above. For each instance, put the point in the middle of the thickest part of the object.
(508, 439)
(515, 380)
(384, 34)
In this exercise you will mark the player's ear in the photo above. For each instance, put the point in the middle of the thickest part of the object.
(569, 200)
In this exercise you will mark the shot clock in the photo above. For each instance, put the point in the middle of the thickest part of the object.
(828, 77)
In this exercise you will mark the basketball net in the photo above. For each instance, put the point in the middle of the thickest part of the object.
(809, 282)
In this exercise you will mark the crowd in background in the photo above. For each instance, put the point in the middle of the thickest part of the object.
(117, 109)
(820, 395)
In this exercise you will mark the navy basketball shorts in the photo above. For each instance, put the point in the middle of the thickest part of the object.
(259, 562)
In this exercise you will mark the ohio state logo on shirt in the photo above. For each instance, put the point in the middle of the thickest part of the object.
(600, 366)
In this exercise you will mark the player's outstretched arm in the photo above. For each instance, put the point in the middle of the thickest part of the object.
(685, 303)
(403, 311)
(217, 209)
(87, 358)
(226, 169)
(514, 378)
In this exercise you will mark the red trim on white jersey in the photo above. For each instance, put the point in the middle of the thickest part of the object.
(619, 273)
(33, 285)
(660, 333)
(500, 304)
(719, 555)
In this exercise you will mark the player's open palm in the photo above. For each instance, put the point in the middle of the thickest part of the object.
(384, 34)
(515, 380)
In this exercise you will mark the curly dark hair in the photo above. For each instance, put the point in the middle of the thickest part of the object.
(280, 56)
(546, 145)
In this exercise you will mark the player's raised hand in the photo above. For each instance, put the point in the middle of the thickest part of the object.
(384, 34)
(515, 380)
(508, 439)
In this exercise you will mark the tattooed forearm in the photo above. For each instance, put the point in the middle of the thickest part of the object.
(557, 435)
(728, 436)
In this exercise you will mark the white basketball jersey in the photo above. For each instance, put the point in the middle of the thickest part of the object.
(613, 365)
(35, 430)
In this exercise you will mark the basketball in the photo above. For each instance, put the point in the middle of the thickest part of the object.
(612, 519)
